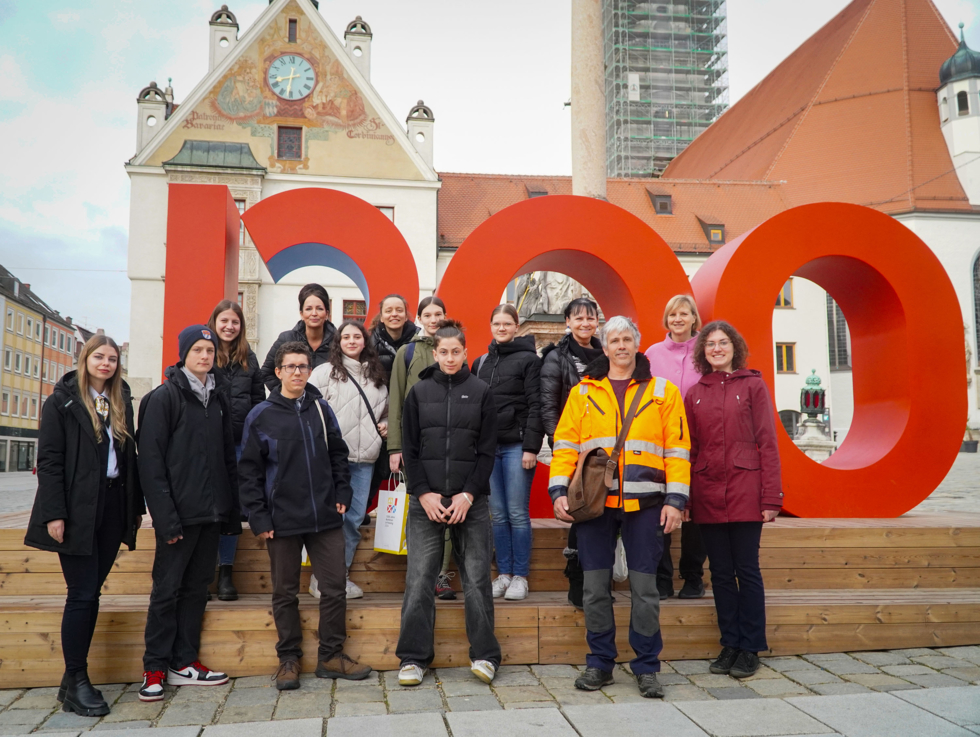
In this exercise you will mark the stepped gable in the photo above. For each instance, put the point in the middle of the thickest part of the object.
(467, 200)
(850, 116)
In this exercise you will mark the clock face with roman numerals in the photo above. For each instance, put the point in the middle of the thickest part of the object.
(291, 77)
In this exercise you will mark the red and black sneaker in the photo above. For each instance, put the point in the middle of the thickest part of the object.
(152, 689)
(196, 674)
(444, 587)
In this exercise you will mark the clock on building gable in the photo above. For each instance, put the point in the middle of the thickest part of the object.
(291, 77)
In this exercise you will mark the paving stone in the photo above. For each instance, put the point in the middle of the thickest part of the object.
(788, 664)
(623, 687)
(915, 652)
(934, 681)
(875, 680)
(526, 723)
(392, 725)
(958, 705)
(776, 687)
(868, 715)
(666, 667)
(731, 694)
(879, 659)
(66, 721)
(189, 713)
(848, 667)
(443, 674)
(750, 717)
(551, 683)
(712, 680)
(838, 689)
(825, 657)
(577, 697)
(292, 728)
(907, 670)
(309, 682)
(254, 682)
(471, 687)
(555, 671)
(631, 720)
(473, 703)
(247, 713)
(24, 716)
(196, 694)
(762, 674)
(686, 693)
(408, 702)
(810, 677)
(522, 693)
(939, 662)
(302, 705)
(20, 730)
(115, 726)
(673, 679)
(530, 705)
(135, 710)
(191, 731)
(359, 710)
(252, 696)
(359, 695)
(968, 652)
(970, 674)
(428, 681)
(691, 667)
(8, 695)
(373, 679)
(514, 678)
(38, 698)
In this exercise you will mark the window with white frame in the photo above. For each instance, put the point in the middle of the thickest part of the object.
(37, 367)
(20, 323)
(8, 357)
(18, 358)
(30, 327)
(15, 406)
(68, 344)
(27, 365)
(37, 331)
(33, 408)
(61, 341)
(23, 406)
(10, 319)
(44, 370)
(5, 403)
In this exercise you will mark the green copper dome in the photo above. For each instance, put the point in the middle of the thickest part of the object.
(813, 379)
(964, 63)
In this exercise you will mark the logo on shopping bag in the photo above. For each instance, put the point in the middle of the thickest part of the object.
(392, 504)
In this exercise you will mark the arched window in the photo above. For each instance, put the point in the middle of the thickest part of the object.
(962, 103)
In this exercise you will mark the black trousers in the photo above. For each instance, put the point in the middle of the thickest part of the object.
(84, 576)
(736, 581)
(692, 557)
(182, 573)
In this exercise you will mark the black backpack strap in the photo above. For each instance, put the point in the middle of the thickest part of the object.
(409, 355)
(367, 403)
(478, 364)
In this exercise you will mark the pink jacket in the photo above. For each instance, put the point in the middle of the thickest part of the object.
(673, 362)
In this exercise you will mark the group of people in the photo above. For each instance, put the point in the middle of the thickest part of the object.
(298, 446)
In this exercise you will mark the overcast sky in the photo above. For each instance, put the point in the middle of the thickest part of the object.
(495, 74)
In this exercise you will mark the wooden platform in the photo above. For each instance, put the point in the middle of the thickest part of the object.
(831, 585)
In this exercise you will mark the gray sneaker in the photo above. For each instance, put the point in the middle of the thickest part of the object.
(650, 687)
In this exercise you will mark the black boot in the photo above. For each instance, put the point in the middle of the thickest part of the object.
(576, 579)
(226, 589)
(64, 687)
(82, 698)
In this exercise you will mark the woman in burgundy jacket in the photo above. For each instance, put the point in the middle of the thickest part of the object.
(736, 486)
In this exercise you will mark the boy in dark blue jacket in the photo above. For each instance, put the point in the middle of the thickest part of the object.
(295, 483)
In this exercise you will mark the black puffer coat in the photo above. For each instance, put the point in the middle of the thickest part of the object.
(449, 434)
(69, 469)
(558, 376)
(187, 458)
(245, 390)
(387, 347)
(513, 371)
(298, 334)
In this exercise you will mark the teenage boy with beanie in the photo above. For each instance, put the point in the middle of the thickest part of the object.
(295, 484)
(190, 482)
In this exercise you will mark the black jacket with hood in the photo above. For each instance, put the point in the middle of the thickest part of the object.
(187, 458)
(558, 376)
(293, 470)
(387, 347)
(449, 434)
(69, 473)
(245, 390)
(512, 370)
(297, 334)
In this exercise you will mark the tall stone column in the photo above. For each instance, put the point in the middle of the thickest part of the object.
(588, 100)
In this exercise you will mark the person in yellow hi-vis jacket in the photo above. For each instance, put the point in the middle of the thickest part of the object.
(648, 496)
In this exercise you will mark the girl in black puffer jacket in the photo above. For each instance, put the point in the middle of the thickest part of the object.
(513, 371)
(244, 389)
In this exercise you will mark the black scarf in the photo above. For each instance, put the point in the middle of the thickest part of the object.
(585, 355)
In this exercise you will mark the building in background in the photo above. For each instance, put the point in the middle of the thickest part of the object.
(666, 79)
(37, 348)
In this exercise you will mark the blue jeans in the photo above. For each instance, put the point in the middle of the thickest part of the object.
(228, 544)
(510, 493)
(360, 482)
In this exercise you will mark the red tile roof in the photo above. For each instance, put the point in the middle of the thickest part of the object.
(849, 116)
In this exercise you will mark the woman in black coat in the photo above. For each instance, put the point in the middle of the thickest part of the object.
(314, 328)
(561, 370)
(391, 330)
(513, 371)
(239, 366)
(88, 500)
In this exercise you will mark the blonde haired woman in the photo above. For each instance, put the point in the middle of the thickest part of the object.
(672, 358)
(88, 500)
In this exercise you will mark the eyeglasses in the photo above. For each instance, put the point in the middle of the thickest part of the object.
(723, 344)
(291, 369)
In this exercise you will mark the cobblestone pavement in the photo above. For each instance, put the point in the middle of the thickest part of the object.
(922, 676)
(17, 491)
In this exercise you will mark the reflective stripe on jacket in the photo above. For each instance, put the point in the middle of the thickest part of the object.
(655, 463)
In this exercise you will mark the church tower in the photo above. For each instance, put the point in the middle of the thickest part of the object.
(959, 114)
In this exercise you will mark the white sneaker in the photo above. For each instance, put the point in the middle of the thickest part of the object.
(500, 584)
(484, 670)
(411, 675)
(517, 589)
(353, 590)
(196, 674)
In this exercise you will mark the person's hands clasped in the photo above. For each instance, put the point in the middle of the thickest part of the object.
(56, 530)
(460, 506)
(670, 518)
(768, 515)
(561, 509)
(528, 461)
(432, 504)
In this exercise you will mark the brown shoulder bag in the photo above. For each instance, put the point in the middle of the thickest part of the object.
(596, 469)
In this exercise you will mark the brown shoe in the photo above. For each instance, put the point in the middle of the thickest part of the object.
(342, 666)
(287, 677)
